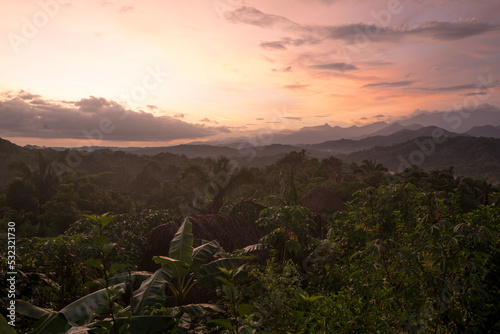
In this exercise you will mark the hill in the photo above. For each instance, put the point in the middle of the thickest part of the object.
(484, 131)
(348, 145)
(471, 156)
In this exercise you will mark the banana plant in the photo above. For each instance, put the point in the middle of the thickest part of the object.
(188, 264)
(185, 267)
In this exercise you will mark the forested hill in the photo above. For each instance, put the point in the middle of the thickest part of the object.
(470, 156)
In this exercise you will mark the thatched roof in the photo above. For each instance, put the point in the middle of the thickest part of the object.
(322, 201)
(232, 232)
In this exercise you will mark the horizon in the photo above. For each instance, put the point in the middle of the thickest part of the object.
(130, 74)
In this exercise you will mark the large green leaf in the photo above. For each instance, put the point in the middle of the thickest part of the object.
(201, 309)
(5, 327)
(29, 310)
(206, 276)
(254, 248)
(179, 269)
(203, 253)
(135, 277)
(51, 323)
(152, 290)
(181, 246)
(84, 308)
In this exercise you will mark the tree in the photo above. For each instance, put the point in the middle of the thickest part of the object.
(41, 176)
(219, 178)
(370, 171)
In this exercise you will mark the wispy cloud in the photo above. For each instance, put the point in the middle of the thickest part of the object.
(125, 9)
(437, 30)
(342, 67)
(391, 84)
(207, 120)
(273, 45)
(296, 87)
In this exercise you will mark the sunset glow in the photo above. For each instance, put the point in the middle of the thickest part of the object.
(206, 69)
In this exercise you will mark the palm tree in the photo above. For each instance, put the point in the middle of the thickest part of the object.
(41, 177)
(369, 167)
(221, 177)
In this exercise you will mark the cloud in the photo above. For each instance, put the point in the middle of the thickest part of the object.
(206, 120)
(253, 16)
(450, 31)
(296, 87)
(281, 44)
(179, 115)
(354, 32)
(285, 69)
(474, 94)
(125, 9)
(259, 119)
(342, 67)
(448, 88)
(273, 45)
(390, 84)
(379, 116)
(293, 118)
(94, 119)
(479, 89)
(26, 96)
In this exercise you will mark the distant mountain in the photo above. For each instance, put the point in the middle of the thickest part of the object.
(484, 131)
(319, 134)
(393, 128)
(190, 151)
(458, 121)
(348, 145)
(470, 156)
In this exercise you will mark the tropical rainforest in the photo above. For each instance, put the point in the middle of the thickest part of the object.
(115, 242)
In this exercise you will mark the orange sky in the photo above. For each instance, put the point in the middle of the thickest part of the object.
(234, 66)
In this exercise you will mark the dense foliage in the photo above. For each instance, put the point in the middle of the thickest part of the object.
(414, 252)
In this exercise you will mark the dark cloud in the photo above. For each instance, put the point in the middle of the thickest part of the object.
(450, 31)
(179, 115)
(361, 32)
(93, 118)
(474, 94)
(273, 45)
(27, 96)
(442, 31)
(342, 67)
(38, 101)
(479, 89)
(296, 87)
(259, 119)
(379, 116)
(293, 118)
(281, 44)
(391, 84)
(448, 88)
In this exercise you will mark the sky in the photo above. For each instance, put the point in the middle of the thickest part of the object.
(150, 73)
